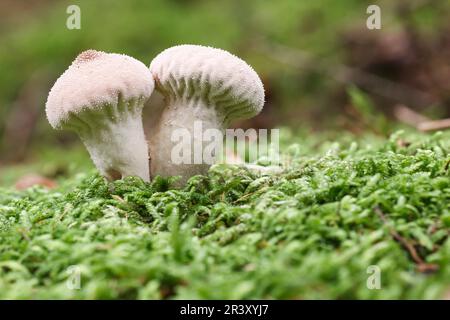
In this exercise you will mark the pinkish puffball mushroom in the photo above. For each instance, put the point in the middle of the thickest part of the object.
(101, 97)
(199, 84)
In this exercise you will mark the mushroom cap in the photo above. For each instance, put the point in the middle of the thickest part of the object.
(95, 79)
(217, 77)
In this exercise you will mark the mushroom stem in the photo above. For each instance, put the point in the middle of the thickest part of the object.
(181, 139)
(116, 143)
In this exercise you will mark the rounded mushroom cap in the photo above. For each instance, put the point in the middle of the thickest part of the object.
(193, 72)
(95, 79)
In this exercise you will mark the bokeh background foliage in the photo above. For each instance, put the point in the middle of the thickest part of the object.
(309, 233)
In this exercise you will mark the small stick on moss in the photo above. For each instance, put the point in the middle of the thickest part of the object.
(422, 266)
(409, 116)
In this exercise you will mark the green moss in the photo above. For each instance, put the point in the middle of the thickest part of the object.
(310, 232)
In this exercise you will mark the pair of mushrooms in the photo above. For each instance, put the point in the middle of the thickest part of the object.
(101, 97)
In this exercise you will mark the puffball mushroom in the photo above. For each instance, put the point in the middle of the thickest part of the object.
(101, 97)
(199, 84)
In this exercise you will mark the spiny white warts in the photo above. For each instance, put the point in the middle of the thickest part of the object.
(199, 84)
(101, 97)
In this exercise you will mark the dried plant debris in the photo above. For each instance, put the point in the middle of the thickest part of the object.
(311, 231)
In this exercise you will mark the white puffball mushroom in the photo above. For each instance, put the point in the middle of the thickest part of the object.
(199, 84)
(101, 97)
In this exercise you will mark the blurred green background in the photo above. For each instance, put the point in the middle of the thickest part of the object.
(321, 66)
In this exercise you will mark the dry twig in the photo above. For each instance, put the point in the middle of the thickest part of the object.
(383, 87)
(409, 116)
